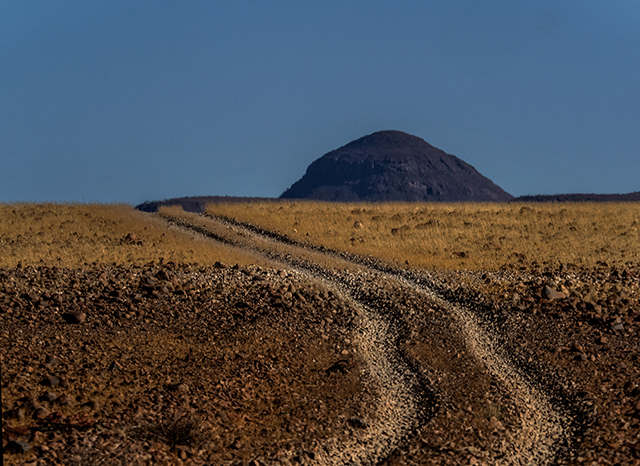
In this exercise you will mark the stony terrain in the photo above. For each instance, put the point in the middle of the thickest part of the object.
(339, 362)
(575, 332)
(154, 364)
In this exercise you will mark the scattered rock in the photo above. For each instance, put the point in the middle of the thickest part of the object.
(52, 360)
(41, 413)
(617, 325)
(91, 404)
(62, 400)
(17, 447)
(343, 366)
(551, 293)
(17, 413)
(115, 366)
(495, 423)
(178, 387)
(48, 396)
(358, 423)
(51, 381)
(183, 388)
(77, 317)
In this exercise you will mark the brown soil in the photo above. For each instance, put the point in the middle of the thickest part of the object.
(317, 364)
(249, 359)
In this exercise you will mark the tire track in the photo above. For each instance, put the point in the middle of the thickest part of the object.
(403, 400)
(542, 425)
(543, 428)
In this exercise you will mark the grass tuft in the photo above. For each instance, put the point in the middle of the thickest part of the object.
(184, 430)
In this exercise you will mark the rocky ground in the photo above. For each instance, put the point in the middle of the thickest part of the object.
(168, 364)
(578, 330)
(175, 364)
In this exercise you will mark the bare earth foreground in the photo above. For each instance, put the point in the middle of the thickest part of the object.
(317, 357)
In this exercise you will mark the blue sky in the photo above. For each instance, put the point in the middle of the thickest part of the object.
(125, 101)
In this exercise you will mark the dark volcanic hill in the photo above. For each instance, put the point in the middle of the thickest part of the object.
(393, 166)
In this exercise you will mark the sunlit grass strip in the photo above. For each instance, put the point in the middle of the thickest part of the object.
(77, 235)
(232, 254)
(457, 236)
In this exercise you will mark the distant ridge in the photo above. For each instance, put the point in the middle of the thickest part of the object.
(577, 197)
(196, 203)
(393, 166)
(389, 166)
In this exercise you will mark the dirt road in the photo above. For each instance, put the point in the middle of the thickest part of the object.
(443, 380)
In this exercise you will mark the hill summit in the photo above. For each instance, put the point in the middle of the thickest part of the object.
(393, 166)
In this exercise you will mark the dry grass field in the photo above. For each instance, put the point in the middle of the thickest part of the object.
(77, 235)
(458, 236)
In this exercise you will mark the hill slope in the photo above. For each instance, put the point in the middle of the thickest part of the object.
(393, 166)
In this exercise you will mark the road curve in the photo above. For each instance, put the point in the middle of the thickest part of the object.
(406, 399)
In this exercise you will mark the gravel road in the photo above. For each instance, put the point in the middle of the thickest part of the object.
(407, 398)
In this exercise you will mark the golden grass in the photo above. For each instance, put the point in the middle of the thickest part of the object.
(250, 242)
(457, 236)
(76, 235)
(177, 213)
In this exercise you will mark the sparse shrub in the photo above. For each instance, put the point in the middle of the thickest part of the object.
(186, 430)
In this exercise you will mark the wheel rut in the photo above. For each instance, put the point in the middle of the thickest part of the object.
(407, 396)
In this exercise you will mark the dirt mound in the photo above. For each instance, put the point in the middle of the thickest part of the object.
(393, 166)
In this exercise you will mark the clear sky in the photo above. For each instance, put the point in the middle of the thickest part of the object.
(127, 101)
